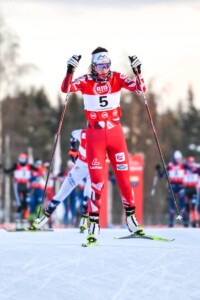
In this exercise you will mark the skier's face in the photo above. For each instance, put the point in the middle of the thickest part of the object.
(178, 161)
(102, 69)
(22, 159)
(191, 162)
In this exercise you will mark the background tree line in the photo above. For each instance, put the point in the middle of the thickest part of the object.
(29, 119)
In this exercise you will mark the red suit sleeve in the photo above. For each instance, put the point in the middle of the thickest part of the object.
(76, 85)
(137, 85)
(66, 83)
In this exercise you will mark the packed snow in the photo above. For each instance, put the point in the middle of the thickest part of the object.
(53, 265)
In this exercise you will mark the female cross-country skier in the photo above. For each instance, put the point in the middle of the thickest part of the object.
(101, 95)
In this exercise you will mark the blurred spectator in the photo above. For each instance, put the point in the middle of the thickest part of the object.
(176, 172)
(21, 171)
(37, 183)
(191, 179)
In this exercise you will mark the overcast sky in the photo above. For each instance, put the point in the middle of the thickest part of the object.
(164, 35)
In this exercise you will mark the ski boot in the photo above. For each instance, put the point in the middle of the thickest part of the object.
(93, 231)
(39, 222)
(83, 225)
(132, 223)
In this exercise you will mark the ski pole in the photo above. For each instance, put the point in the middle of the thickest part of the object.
(179, 217)
(67, 84)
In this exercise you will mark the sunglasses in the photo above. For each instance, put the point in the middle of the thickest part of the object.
(100, 67)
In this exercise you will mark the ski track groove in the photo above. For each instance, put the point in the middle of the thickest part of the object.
(55, 266)
(129, 279)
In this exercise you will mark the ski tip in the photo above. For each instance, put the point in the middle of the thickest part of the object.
(144, 236)
(27, 230)
(14, 229)
(164, 240)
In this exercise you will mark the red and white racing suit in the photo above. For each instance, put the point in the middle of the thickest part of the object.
(104, 133)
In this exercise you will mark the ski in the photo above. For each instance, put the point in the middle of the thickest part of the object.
(27, 230)
(90, 244)
(144, 236)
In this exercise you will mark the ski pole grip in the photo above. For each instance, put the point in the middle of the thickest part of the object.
(68, 79)
(135, 71)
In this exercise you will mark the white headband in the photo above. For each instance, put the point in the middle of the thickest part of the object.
(101, 58)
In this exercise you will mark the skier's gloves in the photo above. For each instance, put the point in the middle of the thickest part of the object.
(73, 63)
(73, 143)
(73, 153)
(135, 64)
